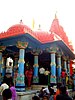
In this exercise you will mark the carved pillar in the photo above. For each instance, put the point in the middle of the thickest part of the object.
(53, 68)
(68, 70)
(20, 82)
(53, 50)
(74, 81)
(59, 68)
(36, 66)
(1, 64)
(35, 75)
(65, 63)
(3, 67)
(15, 68)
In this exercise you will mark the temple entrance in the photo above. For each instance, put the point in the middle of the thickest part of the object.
(28, 71)
(44, 65)
(44, 68)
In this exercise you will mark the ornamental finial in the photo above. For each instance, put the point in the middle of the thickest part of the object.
(39, 27)
(21, 22)
(56, 15)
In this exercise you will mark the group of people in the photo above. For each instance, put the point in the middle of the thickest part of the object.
(8, 91)
(49, 93)
(67, 80)
(44, 75)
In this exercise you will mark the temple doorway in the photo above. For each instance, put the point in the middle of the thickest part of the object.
(44, 63)
(44, 68)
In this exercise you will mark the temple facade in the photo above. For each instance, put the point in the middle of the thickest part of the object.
(21, 49)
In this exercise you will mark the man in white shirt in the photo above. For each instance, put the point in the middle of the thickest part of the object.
(42, 76)
(42, 70)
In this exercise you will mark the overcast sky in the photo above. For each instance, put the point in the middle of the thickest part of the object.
(43, 11)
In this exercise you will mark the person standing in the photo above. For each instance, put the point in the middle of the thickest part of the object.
(7, 94)
(63, 76)
(63, 95)
(13, 90)
(46, 73)
(42, 76)
(29, 75)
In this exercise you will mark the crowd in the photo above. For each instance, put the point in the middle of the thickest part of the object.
(59, 91)
(49, 93)
(8, 92)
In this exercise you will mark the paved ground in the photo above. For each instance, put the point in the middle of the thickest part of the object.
(0, 97)
(71, 93)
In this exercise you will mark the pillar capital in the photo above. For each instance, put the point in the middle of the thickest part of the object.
(53, 64)
(22, 45)
(2, 48)
(64, 58)
(59, 54)
(52, 49)
(68, 61)
(36, 52)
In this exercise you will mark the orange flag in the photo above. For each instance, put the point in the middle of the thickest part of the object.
(33, 24)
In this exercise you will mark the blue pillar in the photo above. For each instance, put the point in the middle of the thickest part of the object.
(0, 67)
(3, 67)
(74, 81)
(1, 49)
(53, 69)
(68, 70)
(65, 65)
(15, 69)
(59, 68)
(35, 75)
(20, 83)
(53, 51)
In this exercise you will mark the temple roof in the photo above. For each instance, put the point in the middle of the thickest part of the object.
(55, 33)
(58, 29)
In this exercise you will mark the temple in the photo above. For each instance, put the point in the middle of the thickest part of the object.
(22, 49)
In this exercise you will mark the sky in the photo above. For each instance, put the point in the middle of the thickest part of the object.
(42, 11)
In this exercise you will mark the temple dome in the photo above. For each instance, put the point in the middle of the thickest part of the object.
(19, 28)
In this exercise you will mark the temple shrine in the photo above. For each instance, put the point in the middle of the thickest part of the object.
(22, 49)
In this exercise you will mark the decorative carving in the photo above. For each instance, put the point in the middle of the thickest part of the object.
(64, 58)
(52, 49)
(22, 45)
(59, 53)
(20, 79)
(53, 64)
(2, 48)
(36, 51)
(53, 79)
